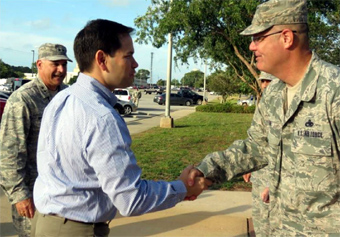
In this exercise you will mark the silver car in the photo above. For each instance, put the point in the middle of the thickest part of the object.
(125, 107)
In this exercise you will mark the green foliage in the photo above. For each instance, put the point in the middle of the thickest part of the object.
(202, 31)
(209, 29)
(7, 71)
(72, 80)
(225, 83)
(161, 82)
(193, 79)
(225, 108)
(324, 25)
(34, 66)
(142, 74)
(175, 82)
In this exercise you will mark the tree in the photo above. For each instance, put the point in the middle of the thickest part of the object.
(193, 79)
(73, 80)
(175, 82)
(224, 82)
(4, 70)
(142, 74)
(7, 71)
(161, 82)
(34, 66)
(202, 31)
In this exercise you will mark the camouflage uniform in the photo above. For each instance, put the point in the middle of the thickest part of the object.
(260, 209)
(136, 97)
(259, 179)
(19, 136)
(301, 149)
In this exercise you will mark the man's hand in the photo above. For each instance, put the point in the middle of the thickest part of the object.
(193, 174)
(26, 208)
(198, 184)
(265, 195)
(246, 177)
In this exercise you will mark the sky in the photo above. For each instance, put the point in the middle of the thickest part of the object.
(27, 24)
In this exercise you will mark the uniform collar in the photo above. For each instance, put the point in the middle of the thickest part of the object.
(43, 88)
(310, 79)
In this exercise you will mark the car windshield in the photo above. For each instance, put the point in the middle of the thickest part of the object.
(120, 92)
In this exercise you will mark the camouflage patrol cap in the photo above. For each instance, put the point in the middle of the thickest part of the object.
(277, 12)
(266, 76)
(53, 52)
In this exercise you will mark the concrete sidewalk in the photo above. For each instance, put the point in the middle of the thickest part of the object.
(143, 122)
(214, 213)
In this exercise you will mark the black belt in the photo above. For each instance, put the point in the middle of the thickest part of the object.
(85, 223)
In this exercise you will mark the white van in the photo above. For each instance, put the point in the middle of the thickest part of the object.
(123, 94)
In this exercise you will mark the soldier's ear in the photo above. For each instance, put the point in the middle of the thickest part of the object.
(39, 64)
(288, 38)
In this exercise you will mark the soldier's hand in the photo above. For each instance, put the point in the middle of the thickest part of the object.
(26, 208)
(199, 183)
(246, 177)
(265, 195)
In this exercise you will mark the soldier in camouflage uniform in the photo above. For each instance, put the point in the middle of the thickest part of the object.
(259, 179)
(19, 131)
(295, 129)
(136, 96)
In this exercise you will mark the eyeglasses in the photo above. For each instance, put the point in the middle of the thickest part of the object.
(259, 39)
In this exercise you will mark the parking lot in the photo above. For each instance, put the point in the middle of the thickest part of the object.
(147, 108)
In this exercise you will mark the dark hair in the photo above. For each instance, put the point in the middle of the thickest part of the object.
(97, 35)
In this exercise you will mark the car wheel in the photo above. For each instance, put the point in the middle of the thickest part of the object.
(188, 103)
(199, 102)
(127, 110)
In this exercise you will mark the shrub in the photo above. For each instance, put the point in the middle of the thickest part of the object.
(225, 108)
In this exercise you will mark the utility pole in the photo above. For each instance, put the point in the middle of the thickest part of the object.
(205, 81)
(151, 69)
(167, 121)
(32, 62)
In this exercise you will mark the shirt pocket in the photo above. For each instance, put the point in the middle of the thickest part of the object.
(314, 169)
(313, 142)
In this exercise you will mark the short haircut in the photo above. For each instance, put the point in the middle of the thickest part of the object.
(97, 35)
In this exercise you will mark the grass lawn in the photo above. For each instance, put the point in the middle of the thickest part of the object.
(163, 153)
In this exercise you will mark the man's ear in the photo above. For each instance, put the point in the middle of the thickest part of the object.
(288, 38)
(39, 63)
(100, 59)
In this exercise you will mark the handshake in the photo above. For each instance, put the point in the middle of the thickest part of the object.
(194, 182)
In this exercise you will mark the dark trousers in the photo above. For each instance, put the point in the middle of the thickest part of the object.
(52, 225)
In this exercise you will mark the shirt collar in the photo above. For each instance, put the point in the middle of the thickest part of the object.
(94, 85)
(43, 88)
(310, 79)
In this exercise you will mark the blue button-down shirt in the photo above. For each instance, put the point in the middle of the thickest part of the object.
(86, 168)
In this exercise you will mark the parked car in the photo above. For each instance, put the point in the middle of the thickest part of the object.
(5, 95)
(248, 101)
(154, 89)
(123, 94)
(197, 99)
(175, 99)
(2, 106)
(3, 99)
(125, 107)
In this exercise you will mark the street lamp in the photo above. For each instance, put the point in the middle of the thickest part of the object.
(204, 82)
(32, 61)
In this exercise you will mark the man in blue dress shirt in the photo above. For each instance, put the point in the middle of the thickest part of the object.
(86, 168)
